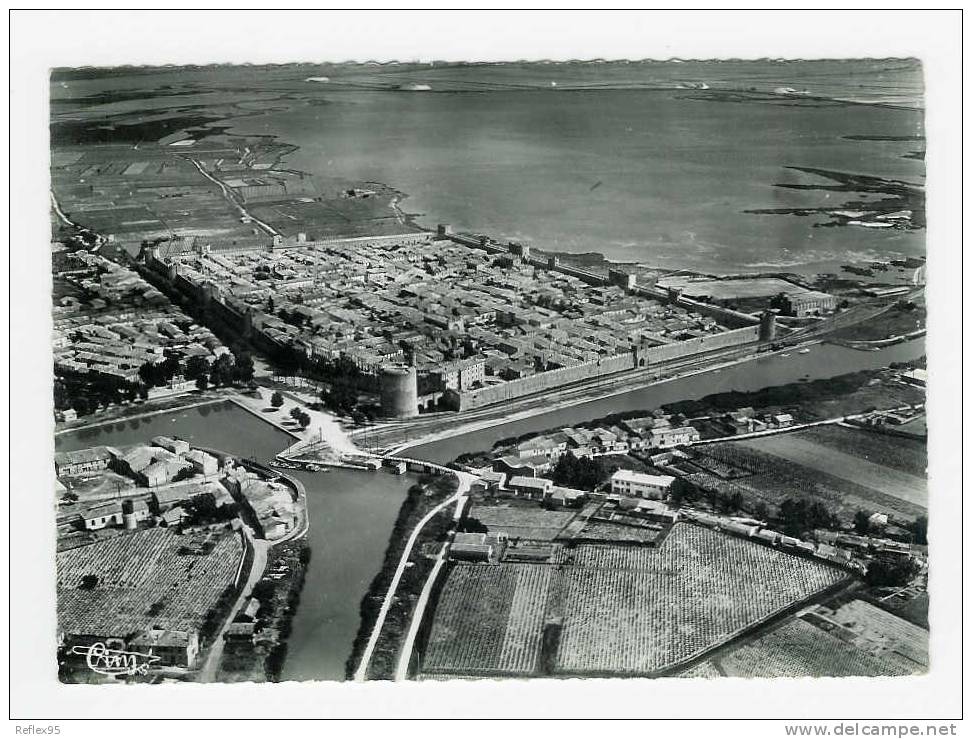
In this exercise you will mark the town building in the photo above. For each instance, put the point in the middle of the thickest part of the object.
(530, 487)
(174, 648)
(918, 377)
(82, 461)
(803, 304)
(103, 515)
(176, 446)
(202, 463)
(551, 446)
(517, 466)
(639, 485)
(471, 547)
(664, 438)
(463, 375)
(566, 497)
(491, 480)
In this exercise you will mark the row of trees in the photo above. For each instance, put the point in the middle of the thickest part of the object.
(343, 381)
(88, 393)
(684, 492)
(798, 516)
(224, 371)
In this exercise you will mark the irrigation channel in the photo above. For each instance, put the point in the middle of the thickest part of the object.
(352, 512)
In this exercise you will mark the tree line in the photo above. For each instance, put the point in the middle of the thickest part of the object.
(89, 392)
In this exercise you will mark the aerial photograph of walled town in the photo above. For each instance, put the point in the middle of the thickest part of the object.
(460, 371)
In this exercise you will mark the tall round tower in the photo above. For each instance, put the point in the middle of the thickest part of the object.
(128, 515)
(767, 326)
(399, 391)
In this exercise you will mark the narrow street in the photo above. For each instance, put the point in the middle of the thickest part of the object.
(207, 673)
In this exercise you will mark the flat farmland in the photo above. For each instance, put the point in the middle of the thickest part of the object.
(144, 579)
(522, 522)
(848, 465)
(895, 452)
(606, 531)
(614, 609)
(489, 620)
(637, 611)
(847, 469)
(799, 649)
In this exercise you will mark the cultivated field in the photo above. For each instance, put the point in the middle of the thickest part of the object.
(885, 631)
(846, 465)
(144, 579)
(489, 620)
(617, 609)
(607, 531)
(639, 610)
(798, 649)
(703, 670)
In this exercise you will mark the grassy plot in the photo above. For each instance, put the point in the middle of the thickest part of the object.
(895, 452)
(845, 465)
(530, 522)
(846, 469)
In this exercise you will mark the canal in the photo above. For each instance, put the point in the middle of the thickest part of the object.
(351, 518)
(352, 513)
(822, 361)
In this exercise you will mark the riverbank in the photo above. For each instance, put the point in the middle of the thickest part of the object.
(137, 411)
(810, 402)
(382, 659)
(881, 343)
(260, 656)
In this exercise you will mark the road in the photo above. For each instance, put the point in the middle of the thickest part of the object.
(401, 671)
(207, 673)
(232, 200)
(60, 213)
(465, 480)
(323, 427)
(837, 420)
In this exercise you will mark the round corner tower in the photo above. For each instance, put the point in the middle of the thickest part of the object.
(128, 515)
(399, 391)
(767, 326)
